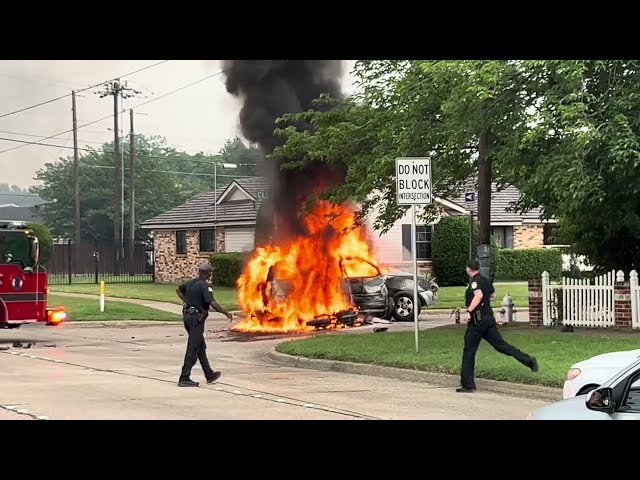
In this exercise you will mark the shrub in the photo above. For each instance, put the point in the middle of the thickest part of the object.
(45, 239)
(451, 250)
(226, 268)
(528, 263)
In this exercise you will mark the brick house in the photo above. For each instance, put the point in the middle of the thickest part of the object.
(509, 230)
(185, 236)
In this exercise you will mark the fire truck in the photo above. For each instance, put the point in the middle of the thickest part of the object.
(23, 281)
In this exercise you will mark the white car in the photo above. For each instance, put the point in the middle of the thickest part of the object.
(587, 375)
(617, 399)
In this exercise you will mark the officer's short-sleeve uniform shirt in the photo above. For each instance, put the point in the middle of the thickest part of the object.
(197, 293)
(484, 285)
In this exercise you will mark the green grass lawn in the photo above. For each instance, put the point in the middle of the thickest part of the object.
(441, 351)
(452, 297)
(146, 291)
(82, 309)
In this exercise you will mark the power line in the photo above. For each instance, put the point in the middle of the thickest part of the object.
(180, 173)
(111, 116)
(107, 152)
(40, 136)
(81, 90)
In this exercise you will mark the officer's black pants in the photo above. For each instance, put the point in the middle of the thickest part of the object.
(486, 329)
(196, 347)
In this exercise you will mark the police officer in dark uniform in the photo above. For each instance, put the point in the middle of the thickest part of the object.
(198, 298)
(482, 324)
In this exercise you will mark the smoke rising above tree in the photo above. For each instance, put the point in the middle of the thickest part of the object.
(269, 89)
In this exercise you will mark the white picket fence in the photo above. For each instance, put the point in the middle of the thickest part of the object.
(635, 299)
(583, 303)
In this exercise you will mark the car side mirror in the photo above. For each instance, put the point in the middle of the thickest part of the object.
(34, 247)
(601, 400)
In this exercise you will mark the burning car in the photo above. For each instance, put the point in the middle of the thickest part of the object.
(386, 296)
(400, 288)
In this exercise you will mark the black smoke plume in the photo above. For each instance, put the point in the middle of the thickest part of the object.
(268, 90)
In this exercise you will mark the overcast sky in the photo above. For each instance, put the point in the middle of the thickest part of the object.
(199, 118)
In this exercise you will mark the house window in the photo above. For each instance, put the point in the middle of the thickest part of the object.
(551, 234)
(503, 236)
(423, 242)
(208, 240)
(181, 242)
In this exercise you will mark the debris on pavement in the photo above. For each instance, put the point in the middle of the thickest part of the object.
(380, 329)
(21, 345)
(382, 321)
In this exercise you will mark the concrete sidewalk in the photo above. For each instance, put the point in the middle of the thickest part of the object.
(163, 306)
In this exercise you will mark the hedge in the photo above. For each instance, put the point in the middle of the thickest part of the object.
(451, 250)
(528, 263)
(226, 268)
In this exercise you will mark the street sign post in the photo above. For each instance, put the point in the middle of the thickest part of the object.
(413, 187)
(470, 198)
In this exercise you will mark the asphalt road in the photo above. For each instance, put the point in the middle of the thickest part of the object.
(130, 372)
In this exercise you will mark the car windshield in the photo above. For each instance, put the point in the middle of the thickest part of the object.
(16, 248)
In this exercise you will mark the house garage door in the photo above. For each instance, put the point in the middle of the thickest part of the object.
(239, 239)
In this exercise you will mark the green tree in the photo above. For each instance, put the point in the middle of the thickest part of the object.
(580, 160)
(14, 194)
(564, 132)
(249, 159)
(165, 178)
(413, 108)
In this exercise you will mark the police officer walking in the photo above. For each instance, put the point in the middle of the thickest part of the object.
(482, 324)
(198, 298)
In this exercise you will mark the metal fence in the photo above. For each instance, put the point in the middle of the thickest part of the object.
(91, 263)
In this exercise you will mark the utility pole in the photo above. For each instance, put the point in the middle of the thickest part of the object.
(118, 90)
(484, 205)
(132, 192)
(76, 168)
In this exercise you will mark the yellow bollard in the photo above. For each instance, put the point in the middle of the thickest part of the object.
(102, 296)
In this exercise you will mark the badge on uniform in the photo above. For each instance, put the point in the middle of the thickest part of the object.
(474, 285)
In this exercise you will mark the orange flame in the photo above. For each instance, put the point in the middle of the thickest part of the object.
(310, 268)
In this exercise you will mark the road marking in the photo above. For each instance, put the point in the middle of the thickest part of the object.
(290, 402)
(23, 411)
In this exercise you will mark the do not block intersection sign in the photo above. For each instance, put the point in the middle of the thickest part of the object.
(413, 181)
(413, 187)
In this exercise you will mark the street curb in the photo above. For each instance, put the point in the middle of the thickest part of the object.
(442, 379)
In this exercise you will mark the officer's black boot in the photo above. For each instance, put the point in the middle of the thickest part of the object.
(214, 377)
(187, 382)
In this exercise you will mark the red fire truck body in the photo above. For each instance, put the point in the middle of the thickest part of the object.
(23, 281)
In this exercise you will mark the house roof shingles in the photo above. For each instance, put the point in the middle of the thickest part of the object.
(20, 214)
(500, 202)
(200, 209)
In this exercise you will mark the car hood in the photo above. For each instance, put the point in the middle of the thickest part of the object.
(612, 360)
(570, 409)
